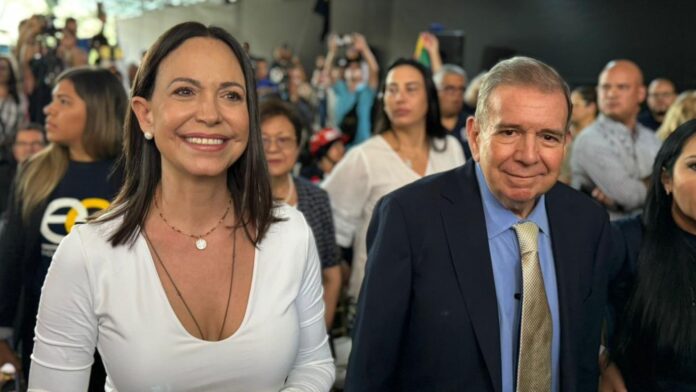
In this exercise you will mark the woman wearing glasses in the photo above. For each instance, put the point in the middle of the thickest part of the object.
(281, 128)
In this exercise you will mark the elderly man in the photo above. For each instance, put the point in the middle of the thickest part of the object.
(489, 277)
(661, 95)
(612, 158)
(450, 81)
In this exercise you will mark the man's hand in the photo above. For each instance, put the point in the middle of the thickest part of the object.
(603, 199)
(8, 356)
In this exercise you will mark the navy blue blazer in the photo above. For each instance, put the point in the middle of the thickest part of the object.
(428, 316)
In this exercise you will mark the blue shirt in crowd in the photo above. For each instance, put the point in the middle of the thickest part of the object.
(345, 100)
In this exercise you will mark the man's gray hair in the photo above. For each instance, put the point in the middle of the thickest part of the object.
(447, 69)
(524, 72)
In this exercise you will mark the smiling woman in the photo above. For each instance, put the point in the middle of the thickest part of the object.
(196, 281)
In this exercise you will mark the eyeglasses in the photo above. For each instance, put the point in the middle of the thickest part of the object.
(283, 142)
(453, 90)
(661, 95)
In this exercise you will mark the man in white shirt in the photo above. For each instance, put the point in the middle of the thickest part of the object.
(612, 159)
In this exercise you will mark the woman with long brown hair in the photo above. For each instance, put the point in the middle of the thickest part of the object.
(193, 279)
(410, 143)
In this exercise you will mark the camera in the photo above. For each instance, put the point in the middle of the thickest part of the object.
(344, 40)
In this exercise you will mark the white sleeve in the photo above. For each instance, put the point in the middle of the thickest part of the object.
(348, 187)
(66, 326)
(313, 370)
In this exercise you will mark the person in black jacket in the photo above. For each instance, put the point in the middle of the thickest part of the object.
(56, 189)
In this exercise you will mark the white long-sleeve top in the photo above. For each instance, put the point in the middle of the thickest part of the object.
(368, 172)
(96, 295)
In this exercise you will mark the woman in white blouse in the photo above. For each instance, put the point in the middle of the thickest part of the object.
(410, 143)
(193, 279)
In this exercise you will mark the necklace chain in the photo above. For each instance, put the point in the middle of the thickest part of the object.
(181, 297)
(407, 160)
(201, 243)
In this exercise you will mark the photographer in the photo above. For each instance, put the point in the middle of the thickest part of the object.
(39, 63)
(69, 52)
(354, 95)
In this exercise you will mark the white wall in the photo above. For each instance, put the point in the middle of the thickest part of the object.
(137, 34)
(265, 24)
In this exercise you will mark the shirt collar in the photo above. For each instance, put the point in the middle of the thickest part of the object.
(499, 219)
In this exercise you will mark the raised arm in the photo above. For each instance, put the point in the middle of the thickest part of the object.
(360, 44)
(332, 45)
(432, 45)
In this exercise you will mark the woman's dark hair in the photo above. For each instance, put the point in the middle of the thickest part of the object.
(247, 179)
(433, 125)
(660, 320)
(270, 108)
(12, 85)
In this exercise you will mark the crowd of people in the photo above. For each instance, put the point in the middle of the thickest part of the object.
(220, 226)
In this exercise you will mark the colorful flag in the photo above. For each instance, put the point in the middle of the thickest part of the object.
(420, 54)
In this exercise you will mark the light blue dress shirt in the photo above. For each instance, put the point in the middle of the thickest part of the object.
(507, 274)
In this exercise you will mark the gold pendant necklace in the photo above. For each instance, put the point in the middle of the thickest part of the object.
(200, 241)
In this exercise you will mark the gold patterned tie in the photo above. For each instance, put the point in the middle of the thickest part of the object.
(536, 328)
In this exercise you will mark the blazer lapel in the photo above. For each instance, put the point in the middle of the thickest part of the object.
(465, 230)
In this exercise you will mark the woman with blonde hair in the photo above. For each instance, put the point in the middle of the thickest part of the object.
(682, 110)
(56, 189)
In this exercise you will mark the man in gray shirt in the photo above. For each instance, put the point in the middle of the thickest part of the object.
(612, 158)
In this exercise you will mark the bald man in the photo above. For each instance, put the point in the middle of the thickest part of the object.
(661, 95)
(612, 158)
